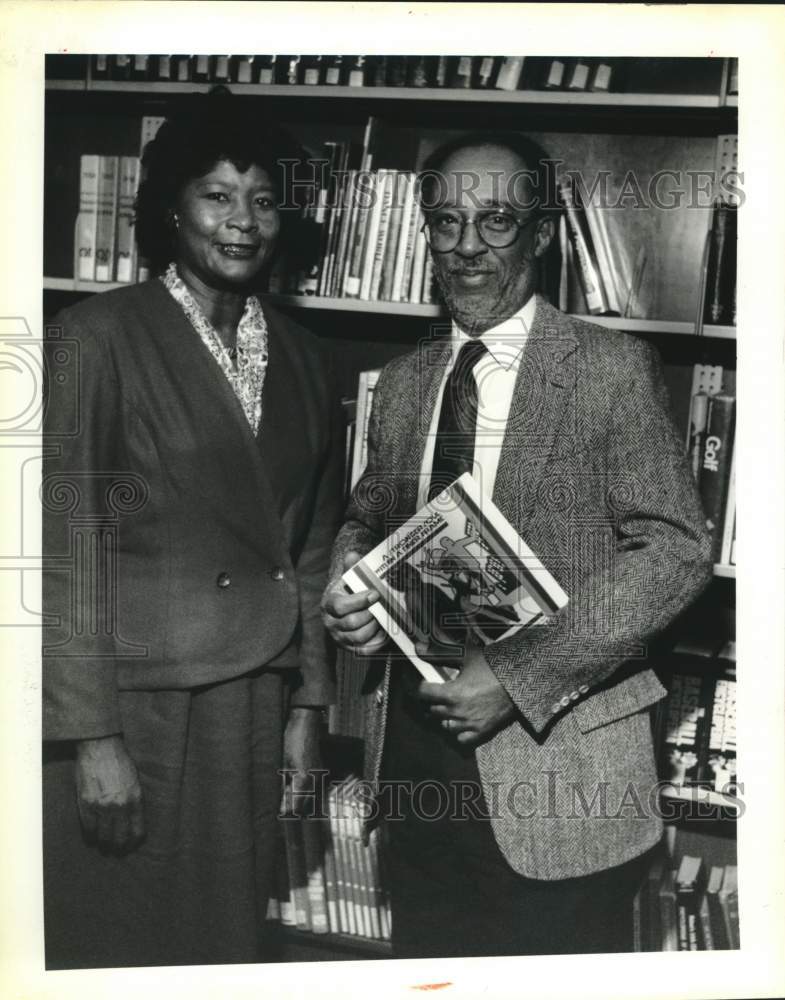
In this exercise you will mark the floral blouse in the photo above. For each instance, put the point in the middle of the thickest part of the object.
(247, 377)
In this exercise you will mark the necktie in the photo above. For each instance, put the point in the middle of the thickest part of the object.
(453, 452)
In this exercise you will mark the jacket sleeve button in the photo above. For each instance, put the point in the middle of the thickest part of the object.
(555, 708)
(223, 580)
(565, 701)
(277, 573)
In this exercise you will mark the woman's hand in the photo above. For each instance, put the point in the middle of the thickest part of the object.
(347, 618)
(108, 793)
(302, 757)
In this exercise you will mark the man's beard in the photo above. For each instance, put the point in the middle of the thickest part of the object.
(474, 314)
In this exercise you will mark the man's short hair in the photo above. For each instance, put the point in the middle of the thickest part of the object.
(539, 167)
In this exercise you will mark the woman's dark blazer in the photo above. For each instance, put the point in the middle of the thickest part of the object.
(180, 550)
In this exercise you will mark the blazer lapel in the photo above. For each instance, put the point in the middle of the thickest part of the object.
(543, 396)
(195, 364)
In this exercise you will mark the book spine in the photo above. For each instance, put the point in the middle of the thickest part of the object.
(345, 875)
(314, 863)
(510, 72)
(668, 913)
(348, 203)
(366, 197)
(337, 215)
(698, 419)
(721, 274)
(371, 236)
(335, 839)
(715, 465)
(729, 515)
(707, 937)
(86, 220)
(403, 258)
(330, 876)
(426, 295)
(107, 218)
(352, 866)
(347, 251)
(595, 218)
(388, 192)
(418, 262)
(586, 261)
(393, 238)
(126, 244)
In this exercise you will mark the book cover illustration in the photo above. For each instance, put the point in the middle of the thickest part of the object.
(456, 572)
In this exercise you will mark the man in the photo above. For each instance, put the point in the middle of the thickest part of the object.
(525, 805)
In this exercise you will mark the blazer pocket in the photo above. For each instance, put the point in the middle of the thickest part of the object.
(629, 696)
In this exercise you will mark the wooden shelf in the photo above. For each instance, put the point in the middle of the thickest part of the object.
(543, 97)
(697, 796)
(416, 310)
(337, 941)
(725, 571)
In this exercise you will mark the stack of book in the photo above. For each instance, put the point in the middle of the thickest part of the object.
(697, 721)
(711, 440)
(600, 262)
(329, 880)
(104, 244)
(690, 907)
(365, 233)
(105, 247)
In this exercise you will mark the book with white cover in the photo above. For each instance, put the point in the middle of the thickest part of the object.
(455, 572)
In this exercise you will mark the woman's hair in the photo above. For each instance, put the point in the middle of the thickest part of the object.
(188, 144)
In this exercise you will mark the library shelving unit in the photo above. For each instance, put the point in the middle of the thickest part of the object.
(640, 133)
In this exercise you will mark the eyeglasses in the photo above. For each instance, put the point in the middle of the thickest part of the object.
(444, 230)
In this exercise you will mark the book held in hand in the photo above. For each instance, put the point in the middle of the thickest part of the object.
(455, 572)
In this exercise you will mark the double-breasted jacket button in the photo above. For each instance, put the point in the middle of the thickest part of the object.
(223, 580)
(277, 573)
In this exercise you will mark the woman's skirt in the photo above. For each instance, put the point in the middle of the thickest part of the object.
(195, 891)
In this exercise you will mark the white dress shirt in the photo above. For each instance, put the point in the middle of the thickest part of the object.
(495, 373)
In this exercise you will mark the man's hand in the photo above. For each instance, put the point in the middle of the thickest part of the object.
(108, 793)
(347, 618)
(472, 707)
(301, 755)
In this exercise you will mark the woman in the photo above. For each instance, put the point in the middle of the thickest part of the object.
(190, 505)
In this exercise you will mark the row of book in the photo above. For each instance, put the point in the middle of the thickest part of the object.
(367, 240)
(329, 880)
(711, 449)
(696, 722)
(104, 240)
(485, 72)
(454, 72)
(690, 907)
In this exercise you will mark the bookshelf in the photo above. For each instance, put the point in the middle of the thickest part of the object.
(419, 310)
(687, 102)
(634, 130)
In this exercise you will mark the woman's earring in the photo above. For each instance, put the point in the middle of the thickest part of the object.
(174, 222)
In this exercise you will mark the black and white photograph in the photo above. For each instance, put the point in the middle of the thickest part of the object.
(279, 305)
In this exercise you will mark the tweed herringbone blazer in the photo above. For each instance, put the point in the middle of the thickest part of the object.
(592, 475)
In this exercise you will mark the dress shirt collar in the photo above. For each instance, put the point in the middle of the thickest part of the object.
(506, 340)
